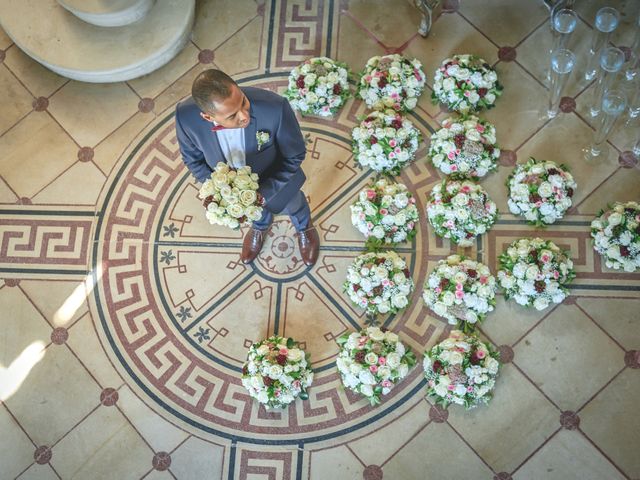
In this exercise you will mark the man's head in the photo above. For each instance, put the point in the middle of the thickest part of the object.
(220, 99)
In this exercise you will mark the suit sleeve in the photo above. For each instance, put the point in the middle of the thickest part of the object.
(290, 142)
(191, 155)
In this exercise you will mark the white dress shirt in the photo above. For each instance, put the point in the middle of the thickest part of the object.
(232, 144)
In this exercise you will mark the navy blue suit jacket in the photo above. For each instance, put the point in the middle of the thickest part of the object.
(278, 161)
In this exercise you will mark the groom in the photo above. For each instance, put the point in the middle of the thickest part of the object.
(219, 122)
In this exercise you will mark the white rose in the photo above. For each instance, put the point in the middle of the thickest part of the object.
(399, 301)
(295, 354)
(540, 303)
(545, 189)
(615, 219)
(393, 360)
(455, 358)
(366, 390)
(375, 334)
(367, 377)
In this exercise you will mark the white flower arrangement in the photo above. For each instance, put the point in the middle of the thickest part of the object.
(540, 191)
(277, 372)
(616, 236)
(385, 213)
(460, 290)
(319, 86)
(461, 370)
(385, 141)
(231, 196)
(392, 81)
(465, 147)
(465, 83)
(535, 272)
(460, 210)
(372, 361)
(262, 138)
(379, 282)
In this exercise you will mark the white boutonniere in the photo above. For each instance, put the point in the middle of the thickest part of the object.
(262, 138)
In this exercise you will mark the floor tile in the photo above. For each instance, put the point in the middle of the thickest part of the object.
(39, 472)
(391, 26)
(5, 41)
(618, 317)
(196, 459)
(354, 46)
(84, 342)
(61, 302)
(103, 446)
(31, 329)
(335, 463)
(241, 54)
(161, 435)
(510, 321)
(608, 421)
(6, 194)
(229, 16)
(24, 146)
(431, 445)
(150, 86)
(568, 455)
(486, 428)
(47, 404)
(515, 21)
(371, 451)
(562, 346)
(40, 81)
(16, 100)
(79, 185)
(104, 108)
(516, 115)
(16, 450)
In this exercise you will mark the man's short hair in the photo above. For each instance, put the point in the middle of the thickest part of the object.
(209, 87)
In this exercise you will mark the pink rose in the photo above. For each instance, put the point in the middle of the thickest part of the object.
(459, 294)
(371, 194)
(283, 351)
(480, 354)
(479, 128)
(382, 360)
(392, 143)
(373, 369)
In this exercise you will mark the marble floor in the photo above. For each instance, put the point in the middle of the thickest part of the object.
(126, 317)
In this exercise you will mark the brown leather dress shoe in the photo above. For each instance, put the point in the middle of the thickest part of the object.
(252, 244)
(309, 243)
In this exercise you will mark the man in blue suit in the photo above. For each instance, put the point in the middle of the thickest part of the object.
(220, 121)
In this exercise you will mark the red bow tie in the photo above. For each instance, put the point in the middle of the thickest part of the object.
(217, 127)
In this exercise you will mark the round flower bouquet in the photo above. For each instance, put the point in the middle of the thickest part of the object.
(460, 290)
(465, 147)
(277, 372)
(534, 272)
(392, 81)
(320, 86)
(461, 370)
(379, 282)
(616, 236)
(372, 361)
(460, 210)
(465, 83)
(231, 196)
(540, 191)
(385, 142)
(385, 213)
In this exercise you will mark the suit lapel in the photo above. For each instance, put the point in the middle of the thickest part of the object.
(250, 141)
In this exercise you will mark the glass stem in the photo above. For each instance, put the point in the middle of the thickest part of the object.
(598, 92)
(602, 132)
(600, 39)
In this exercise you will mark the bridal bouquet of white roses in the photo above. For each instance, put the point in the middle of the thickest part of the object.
(616, 236)
(277, 372)
(460, 211)
(379, 282)
(460, 290)
(320, 86)
(392, 81)
(461, 370)
(385, 213)
(372, 361)
(385, 141)
(465, 147)
(231, 196)
(535, 272)
(466, 83)
(541, 191)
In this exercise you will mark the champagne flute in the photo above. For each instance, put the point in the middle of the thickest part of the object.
(607, 20)
(611, 61)
(562, 63)
(613, 104)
